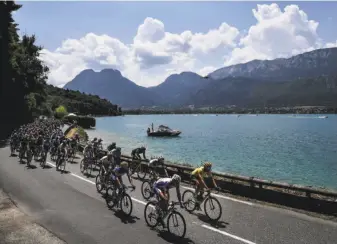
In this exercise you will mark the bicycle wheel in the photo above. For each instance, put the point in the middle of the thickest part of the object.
(82, 166)
(132, 168)
(89, 169)
(64, 165)
(42, 160)
(99, 185)
(174, 218)
(126, 204)
(189, 201)
(141, 172)
(146, 189)
(152, 215)
(213, 204)
(110, 197)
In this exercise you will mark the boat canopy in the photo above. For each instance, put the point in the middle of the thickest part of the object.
(163, 128)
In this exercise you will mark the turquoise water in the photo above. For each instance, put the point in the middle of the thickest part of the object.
(300, 149)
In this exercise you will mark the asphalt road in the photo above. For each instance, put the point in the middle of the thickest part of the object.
(69, 206)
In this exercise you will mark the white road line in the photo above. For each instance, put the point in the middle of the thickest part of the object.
(227, 234)
(205, 226)
(139, 201)
(91, 182)
(81, 178)
(144, 203)
(224, 197)
(51, 164)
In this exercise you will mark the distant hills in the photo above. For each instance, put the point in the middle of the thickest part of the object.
(306, 79)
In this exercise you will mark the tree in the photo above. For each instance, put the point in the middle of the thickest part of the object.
(60, 112)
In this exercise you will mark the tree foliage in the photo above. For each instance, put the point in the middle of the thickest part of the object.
(60, 112)
(80, 103)
(24, 93)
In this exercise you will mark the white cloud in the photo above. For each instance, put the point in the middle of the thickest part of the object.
(331, 44)
(155, 53)
(276, 34)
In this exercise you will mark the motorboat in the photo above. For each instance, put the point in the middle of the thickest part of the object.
(162, 131)
(323, 117)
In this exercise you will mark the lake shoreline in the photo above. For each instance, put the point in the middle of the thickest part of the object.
(274, 147)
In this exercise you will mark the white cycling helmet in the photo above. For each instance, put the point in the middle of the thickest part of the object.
(176, 178)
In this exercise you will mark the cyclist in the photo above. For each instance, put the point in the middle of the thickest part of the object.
(135, 153)
(198, 175)
(119, 171)
(111, 146)
(62, 152)
(106, 163)
(154, 163)
(161, 188)
(88, 151)
(116, 154)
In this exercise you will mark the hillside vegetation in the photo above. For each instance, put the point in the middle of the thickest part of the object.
(24, 94)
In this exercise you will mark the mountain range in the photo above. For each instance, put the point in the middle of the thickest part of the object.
(306, 79)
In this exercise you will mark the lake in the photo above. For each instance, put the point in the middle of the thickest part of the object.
(299, 149)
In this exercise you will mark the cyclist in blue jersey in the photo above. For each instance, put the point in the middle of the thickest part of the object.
(161, 188)
(119, 171)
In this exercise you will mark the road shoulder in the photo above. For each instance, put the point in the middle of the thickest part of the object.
(16, 227)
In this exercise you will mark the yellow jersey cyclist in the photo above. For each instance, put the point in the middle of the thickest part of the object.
(198, 175)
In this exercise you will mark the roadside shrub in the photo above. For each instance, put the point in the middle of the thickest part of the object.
(60, 112)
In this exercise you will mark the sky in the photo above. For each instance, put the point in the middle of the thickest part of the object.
(148, 41)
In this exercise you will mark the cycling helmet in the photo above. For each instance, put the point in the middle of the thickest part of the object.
(118, 149)
(100, 139)
(95, 139)
(207, 166)
(124, 165)
(160, 158)
(176, 179)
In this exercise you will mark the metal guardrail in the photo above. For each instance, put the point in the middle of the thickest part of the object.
(250, 181)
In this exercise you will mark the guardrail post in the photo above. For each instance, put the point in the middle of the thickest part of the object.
(252, 182)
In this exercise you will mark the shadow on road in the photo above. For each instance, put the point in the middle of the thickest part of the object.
(125, 219)
(216, 224)
(32, 166)
(3, 143)
(47, 166)
(167, 236)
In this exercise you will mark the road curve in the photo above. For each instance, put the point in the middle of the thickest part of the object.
(69, 206)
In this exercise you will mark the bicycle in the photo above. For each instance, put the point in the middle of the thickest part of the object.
(53, 153)
(112, 198)
(208, 199)
(72, 154)
(103, 181)
(139, 168)
(170, 214)
(29, 157)
(37, 152)
(86, 166)
(43, 160)
(147, 186)
(62, 163)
